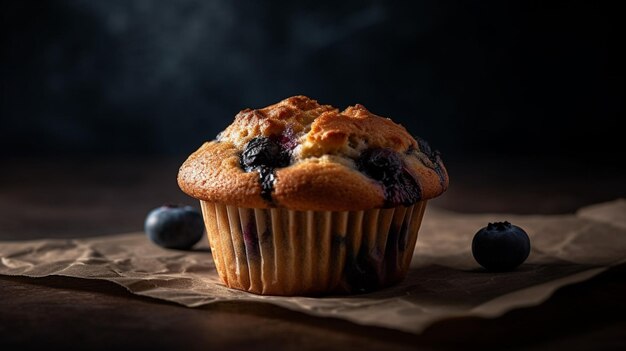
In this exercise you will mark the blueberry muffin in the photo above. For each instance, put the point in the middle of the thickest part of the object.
(303, 199)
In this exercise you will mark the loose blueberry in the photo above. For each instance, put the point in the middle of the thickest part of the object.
(174, 226)
(262, 151)
(500, 246)
(386, 166)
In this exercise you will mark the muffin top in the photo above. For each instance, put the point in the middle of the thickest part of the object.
(301, 155)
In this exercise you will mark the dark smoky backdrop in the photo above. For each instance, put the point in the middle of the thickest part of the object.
(483, 78)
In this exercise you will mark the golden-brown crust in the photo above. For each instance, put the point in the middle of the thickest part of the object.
(296, 113)
(327, 186)
(212, 173)
(333, 132)
(323, 175)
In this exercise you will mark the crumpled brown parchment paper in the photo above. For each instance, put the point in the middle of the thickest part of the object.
(444, 280)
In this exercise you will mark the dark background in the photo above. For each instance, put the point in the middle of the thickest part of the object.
(100, 102)
(484, 78)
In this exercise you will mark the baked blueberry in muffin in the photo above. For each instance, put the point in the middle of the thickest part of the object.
(291, 153)
(302, 198)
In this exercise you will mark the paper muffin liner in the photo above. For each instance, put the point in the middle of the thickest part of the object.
(278, 251)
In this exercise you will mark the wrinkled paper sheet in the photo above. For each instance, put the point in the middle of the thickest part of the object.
(444, 280)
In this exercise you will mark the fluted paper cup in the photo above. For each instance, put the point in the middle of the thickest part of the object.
(278, 251)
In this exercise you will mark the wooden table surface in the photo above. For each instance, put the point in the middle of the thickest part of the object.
(93, 197)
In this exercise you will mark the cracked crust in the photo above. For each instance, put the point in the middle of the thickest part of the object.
(323, 175)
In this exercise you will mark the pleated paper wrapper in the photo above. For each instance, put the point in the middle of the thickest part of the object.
(442, 281)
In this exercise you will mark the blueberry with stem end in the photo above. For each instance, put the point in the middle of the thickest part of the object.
(501, 246)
